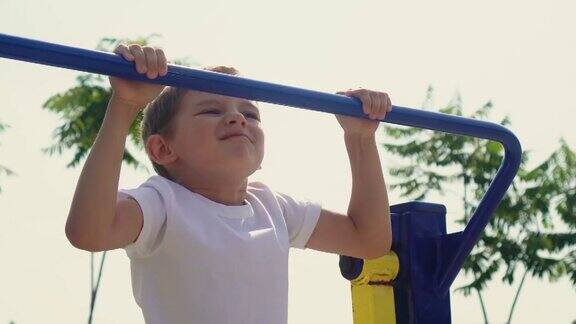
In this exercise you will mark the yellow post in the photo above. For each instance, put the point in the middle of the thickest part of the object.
(372, 292)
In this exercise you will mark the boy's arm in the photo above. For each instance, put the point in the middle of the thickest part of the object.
(97, 221)
(94, 204)
(369, 208)
(366, 231)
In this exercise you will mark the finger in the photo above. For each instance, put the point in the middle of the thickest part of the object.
(364, 96)
(386, 105)
(379, 105)
(139, 58)
(151, 62)
(124, 52)
(162, 62)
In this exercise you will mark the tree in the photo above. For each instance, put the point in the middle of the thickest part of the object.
(534, 228)
(3, 169)
(82, 109)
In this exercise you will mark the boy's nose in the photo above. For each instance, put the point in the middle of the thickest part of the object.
(235, 117)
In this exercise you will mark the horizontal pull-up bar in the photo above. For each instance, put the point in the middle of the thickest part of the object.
(111, 64)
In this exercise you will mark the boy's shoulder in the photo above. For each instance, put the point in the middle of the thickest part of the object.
(257, 185)
(258, 188)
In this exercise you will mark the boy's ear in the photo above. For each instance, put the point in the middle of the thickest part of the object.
(159, 150)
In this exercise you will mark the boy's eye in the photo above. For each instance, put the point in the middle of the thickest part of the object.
(252, 115)
(211, 111)
(217, 112)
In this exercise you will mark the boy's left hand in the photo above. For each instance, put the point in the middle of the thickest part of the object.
(375, 104)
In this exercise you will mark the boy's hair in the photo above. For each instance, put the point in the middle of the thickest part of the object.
(160, 112)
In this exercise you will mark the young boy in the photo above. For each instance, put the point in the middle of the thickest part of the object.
(206, 246)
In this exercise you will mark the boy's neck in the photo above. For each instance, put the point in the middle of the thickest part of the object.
(231, 192)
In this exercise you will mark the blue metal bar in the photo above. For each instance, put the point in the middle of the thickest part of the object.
(110, 64)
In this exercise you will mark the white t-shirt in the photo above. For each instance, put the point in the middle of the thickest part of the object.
(199, 261)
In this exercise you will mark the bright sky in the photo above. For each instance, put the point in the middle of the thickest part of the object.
(519, 54)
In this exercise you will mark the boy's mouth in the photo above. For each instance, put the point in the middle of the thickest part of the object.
(233, 135)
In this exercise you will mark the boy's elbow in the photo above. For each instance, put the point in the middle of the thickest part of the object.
(380, 249)
(79, 241)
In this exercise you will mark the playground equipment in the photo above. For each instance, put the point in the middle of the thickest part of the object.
(411, 284)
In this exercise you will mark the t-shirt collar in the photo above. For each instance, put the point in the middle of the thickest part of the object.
(242, 211)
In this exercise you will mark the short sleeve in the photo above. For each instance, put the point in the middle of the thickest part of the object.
(301, 217)
(154, 221)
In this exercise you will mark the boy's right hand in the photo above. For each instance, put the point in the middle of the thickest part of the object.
(148, 60)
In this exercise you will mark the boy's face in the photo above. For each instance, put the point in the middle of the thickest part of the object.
(217, 134)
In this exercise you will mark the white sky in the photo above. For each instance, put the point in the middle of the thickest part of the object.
(519, 54)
